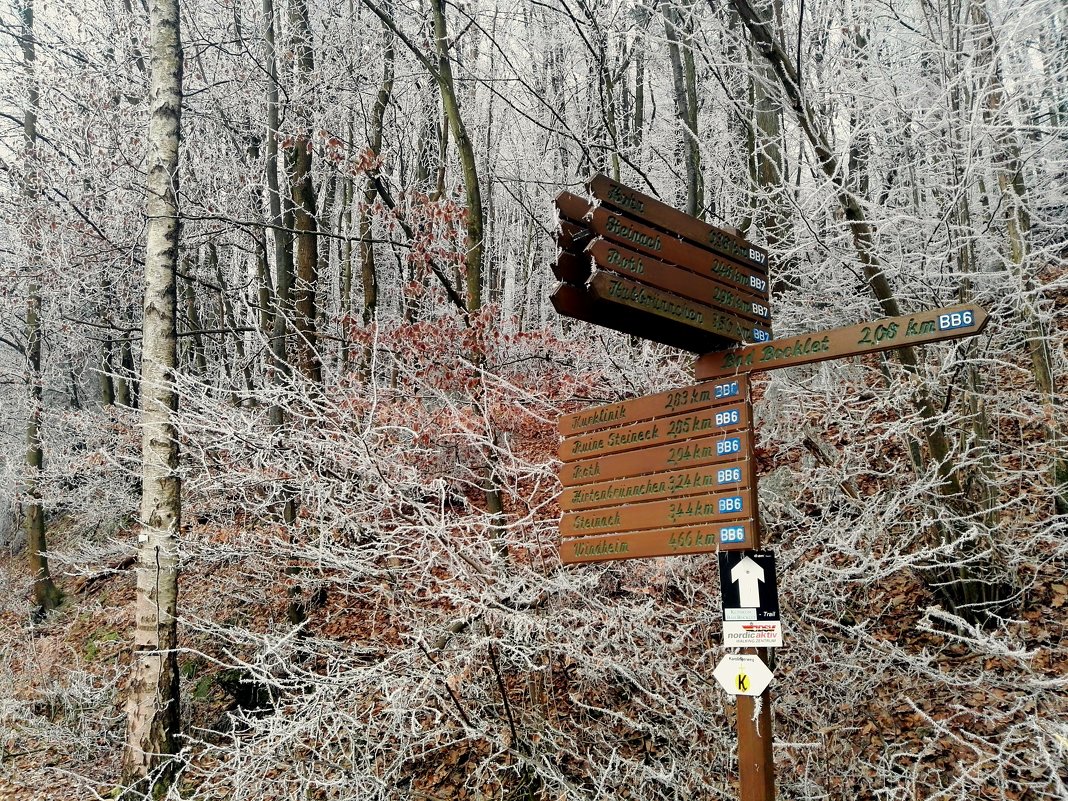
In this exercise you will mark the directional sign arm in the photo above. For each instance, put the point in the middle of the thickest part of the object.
(576, 302)
(643, 207)
(889, 333)
(657, 304)
(573, 208)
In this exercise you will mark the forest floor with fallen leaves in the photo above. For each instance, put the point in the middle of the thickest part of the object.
(63, 679)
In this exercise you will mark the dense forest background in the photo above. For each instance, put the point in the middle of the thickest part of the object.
(369, 374)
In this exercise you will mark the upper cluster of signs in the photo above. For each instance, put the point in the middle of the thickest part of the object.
(636, 265)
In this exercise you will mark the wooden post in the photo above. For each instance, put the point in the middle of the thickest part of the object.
(756, 770)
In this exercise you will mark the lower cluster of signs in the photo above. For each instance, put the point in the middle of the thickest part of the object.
(665, 474)
(673, 474)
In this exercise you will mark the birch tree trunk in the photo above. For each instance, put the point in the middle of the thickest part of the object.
(152, 707)
(46, 595)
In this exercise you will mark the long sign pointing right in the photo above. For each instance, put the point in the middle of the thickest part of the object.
(886, 334)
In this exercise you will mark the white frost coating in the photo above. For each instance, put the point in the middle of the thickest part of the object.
(395, 530)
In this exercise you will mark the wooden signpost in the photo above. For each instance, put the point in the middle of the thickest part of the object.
(674, 473)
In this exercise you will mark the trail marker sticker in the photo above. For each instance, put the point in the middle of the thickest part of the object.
(750, 599)
(742, 674)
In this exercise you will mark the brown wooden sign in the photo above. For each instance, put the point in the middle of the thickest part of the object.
(658, 542)
(730, 505)
(661, 275)
(572, 236)
(572, 208)
(612, 288)
(576, 267)
(656, 486)
(579, 304)
(624, 231)
(674, 401)
(641, 206)
(571, 267)
(674, 456)
(886, 334)
(700, 423)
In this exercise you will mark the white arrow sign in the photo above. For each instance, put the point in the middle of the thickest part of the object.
(748, 575)
(742, 674)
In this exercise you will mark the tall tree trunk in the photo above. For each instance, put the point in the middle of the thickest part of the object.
(106, 377)
(766, 158)
(344, 278)
(1009, 168)
(46, 595)
(466, 152)
(264, 284)
(152, 707)
(283, 254)
(637, 127)
(442, 72)
(368, 266)
(492, 271)
(125, 383)
(678, 26)
(229, 320)
(475, 245)
(198, 359)
(978, 481)
(299, 161)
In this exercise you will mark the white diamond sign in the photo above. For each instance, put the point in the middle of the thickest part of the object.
(742, 674)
